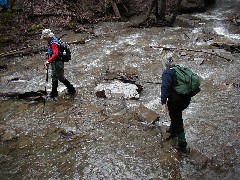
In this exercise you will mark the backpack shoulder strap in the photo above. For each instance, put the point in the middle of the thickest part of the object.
(54, 40)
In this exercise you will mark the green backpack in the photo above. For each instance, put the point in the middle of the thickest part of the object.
(188, 83)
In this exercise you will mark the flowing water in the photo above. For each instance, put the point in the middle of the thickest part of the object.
(101, 138)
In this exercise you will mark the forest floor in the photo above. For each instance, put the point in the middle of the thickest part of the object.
(24, 22)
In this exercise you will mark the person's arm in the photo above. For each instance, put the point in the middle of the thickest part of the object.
(166, 87)
(54, 56)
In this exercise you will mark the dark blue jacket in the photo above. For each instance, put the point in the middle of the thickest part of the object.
(169, 81)
(168, 92)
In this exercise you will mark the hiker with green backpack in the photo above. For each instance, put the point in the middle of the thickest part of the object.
(57, 56)
(179, 84)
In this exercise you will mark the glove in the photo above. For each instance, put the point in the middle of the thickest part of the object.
(46, 64)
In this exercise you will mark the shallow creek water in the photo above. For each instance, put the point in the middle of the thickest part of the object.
(101, 138)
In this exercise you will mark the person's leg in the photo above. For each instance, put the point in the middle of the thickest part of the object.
(54, 92)
(62, 79)
(175, 113)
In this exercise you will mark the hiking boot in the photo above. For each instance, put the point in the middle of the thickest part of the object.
(171, 132)
(71, 93)
(53, 94)
(70, 89)
(183, 150)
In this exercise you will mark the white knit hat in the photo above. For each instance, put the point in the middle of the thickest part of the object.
(169, 60)
(47, 33)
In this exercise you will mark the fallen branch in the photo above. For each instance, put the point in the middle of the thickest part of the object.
(150, 82)
(194, 50)
(53, 14)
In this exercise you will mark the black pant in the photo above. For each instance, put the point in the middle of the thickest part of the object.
(58, 75)
(175, 109)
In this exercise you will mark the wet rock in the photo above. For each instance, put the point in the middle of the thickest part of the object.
(199, 61)
(24, 143)
(116, 88)
(198, 159)
(101, 94)
(9, 135)
(3, 67)
(124, 77)
(146, 115)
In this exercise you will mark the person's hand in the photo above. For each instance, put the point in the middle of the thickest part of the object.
(164, 108)
(46, 64)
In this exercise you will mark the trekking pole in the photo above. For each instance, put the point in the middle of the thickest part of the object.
(44, 102)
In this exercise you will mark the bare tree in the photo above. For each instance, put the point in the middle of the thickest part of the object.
(175, 13)
(115, 9)
(161, 15)
(163, 8)
(151, 6)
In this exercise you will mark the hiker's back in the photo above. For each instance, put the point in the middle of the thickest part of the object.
(188, 83)
(64, 51)
(170, 92)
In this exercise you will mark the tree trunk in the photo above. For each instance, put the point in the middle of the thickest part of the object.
(150, 9)
(162, 13)
(156, 9)
(11, 4)
(32, 8)
(115, 9)
(175, 13)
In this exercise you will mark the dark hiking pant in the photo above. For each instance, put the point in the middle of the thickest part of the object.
(58, 75)
(175, 109)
